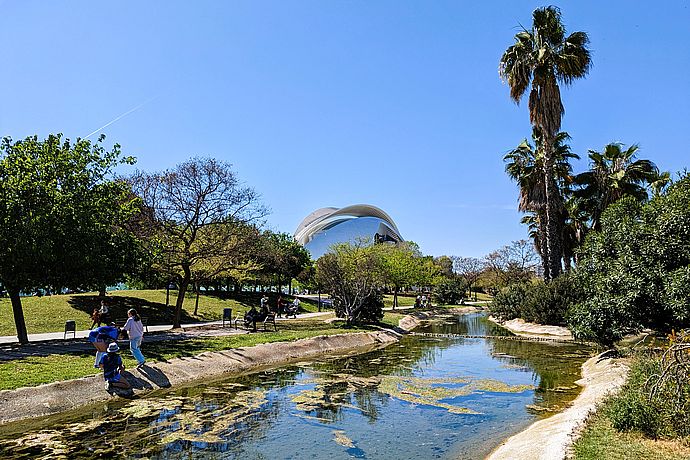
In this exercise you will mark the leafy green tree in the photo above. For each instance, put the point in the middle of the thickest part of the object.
(353, 274)
(634, 270)
(62, 217)
(614, 173)
(282, 257)
(193, 213)
(450, 291)
(403, 265)
(543, 58)
(469, 269)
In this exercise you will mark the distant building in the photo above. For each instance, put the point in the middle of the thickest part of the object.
(327, 226)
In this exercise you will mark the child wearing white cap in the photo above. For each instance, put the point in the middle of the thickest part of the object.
(112, 366)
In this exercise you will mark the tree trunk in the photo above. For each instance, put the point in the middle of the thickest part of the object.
(101, 292)
(167, 293)
(181, 292)
(395, 298)
(16, 301)
(319, 299)
(544, 253)
(553, 234)
(290, 287)
(196, 304)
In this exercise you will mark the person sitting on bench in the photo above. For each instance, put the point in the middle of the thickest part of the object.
(253, 316)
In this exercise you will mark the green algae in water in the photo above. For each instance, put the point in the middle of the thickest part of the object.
(287, 412)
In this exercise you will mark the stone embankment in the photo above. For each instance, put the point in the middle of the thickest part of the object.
(53, 398)
(521, 327)
(552, 438)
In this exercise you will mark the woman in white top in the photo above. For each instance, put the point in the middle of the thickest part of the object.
(135, 329)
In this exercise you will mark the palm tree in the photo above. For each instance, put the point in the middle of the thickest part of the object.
(614, 173)
(543, 58)
(525, 165)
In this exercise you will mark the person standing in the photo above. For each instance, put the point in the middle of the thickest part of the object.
(135, 329)
(103, 313)
(96, 318)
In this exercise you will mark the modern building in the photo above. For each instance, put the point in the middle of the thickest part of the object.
(328, 226)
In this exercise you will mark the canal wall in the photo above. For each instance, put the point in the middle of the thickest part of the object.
(53, 398)
(521, 327)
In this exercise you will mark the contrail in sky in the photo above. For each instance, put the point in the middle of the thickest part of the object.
(120, 117)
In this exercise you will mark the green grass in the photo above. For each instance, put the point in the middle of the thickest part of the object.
(39, 370)
(48, 314)
(600, 440)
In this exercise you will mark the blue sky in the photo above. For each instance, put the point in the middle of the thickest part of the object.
(330, 103)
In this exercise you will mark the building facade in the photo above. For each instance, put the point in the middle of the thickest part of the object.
(328, 226)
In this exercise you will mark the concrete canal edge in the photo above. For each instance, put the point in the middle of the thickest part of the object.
(553, 437)
(57, 397)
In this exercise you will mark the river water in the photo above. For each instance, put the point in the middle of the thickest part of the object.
(421, 398)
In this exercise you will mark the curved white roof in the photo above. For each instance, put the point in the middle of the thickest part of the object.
(325, 217)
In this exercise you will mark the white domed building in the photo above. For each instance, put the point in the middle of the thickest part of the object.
(328, 226)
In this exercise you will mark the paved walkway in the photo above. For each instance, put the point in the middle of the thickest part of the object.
(54, 342)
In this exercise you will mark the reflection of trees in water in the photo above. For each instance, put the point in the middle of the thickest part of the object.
(556, 366)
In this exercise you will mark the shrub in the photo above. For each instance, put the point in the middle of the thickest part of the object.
(507, 304)
(657, 408)
(450, 292)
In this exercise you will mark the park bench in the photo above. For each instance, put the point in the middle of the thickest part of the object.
(270, 319)
(119, 322)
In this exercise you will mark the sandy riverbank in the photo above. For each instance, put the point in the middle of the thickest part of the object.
(551, 438)
(521, 327)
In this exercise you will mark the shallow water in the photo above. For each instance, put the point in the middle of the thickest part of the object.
(421, 398)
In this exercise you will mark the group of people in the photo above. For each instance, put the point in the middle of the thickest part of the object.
(422, 301)
(100, 315)
(254, 316)
(104, 339)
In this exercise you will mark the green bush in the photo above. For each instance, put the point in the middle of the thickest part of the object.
(663, 416)
(635, 271)
(538, 302)
(450, 292)
(508, 302)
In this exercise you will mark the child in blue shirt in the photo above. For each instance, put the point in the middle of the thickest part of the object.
(112, 366)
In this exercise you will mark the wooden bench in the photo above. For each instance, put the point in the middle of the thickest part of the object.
(270, 319)
(119, 322)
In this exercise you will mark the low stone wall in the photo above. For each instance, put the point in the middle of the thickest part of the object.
(58, 397)
(551, 438)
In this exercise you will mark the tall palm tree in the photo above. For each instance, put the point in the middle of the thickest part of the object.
(543, 58)
(525, 165)
(614, 173)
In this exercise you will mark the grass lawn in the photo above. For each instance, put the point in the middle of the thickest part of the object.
(38, 370)
(48, 314)
(601, 441)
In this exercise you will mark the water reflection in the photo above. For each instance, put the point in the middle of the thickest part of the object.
(422, 398)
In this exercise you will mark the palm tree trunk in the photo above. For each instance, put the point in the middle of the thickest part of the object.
(543, 245)
(553, 214)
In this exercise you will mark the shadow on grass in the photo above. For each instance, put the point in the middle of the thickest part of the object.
(156, 312)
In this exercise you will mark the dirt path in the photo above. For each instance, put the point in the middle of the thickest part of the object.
(551, 438)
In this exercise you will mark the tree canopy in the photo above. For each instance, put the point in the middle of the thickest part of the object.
(63, 217)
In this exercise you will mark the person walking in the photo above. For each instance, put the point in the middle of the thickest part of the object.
(135, 329)
(112, 366)
(103, 313)
(96, 318)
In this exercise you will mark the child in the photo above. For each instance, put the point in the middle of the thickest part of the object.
(112, 366)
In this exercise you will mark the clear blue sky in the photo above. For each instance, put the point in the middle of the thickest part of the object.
(329, 103)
